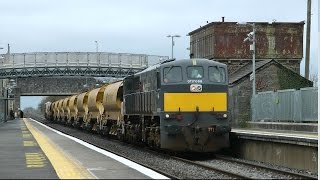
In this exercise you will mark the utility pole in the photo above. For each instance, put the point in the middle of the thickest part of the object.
(307, 58)
(251, 37)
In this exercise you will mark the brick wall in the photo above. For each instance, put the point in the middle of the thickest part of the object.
(240, 93)
(54, 85)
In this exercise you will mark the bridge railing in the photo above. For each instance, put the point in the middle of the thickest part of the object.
(73, 59)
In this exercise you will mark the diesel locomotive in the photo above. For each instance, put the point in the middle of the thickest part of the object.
(177, 105)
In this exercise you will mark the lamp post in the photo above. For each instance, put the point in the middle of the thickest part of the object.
(3, 94)
(172, 43)
(1, 57)
(251, 37)
(97, 48)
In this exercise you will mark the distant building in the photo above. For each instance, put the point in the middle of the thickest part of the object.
(270, 76)
(223, 42)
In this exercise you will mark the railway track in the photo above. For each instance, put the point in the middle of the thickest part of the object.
(255, 165)
(250, 171)
(226, 172)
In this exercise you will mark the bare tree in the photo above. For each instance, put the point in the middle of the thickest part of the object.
(41, 107)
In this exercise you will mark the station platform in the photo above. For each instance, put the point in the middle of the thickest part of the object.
(280, 136)
(293, 149)
(31, 150)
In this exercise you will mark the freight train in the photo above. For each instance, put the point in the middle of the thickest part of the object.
(177, 105)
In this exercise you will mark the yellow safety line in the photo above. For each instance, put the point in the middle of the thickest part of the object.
(65, 167)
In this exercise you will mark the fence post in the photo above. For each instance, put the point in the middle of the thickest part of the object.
(253, 110)
(297, 107)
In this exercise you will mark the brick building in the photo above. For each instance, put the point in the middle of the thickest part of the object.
(223, 42)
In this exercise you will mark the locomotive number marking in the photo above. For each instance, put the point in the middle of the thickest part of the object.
(194, 81)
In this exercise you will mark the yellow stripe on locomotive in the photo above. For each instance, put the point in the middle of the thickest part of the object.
(189, 102)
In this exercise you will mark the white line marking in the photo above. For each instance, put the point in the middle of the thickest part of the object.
(133, 165)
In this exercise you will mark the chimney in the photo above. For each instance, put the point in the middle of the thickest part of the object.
(222, 19)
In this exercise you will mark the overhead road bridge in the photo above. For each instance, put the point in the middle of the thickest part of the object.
(95, 64)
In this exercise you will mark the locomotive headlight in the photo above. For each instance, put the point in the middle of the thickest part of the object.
(167, 116)
(196, 88)
(225, 115)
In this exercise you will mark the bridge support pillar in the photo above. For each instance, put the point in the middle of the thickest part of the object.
(16, 101)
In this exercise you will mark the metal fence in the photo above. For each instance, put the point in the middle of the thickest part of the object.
(286, 105)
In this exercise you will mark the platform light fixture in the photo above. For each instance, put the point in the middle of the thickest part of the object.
(172, 43)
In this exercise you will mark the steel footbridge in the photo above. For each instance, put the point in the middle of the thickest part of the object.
(95, 64)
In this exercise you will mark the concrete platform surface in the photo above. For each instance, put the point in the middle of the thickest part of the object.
(65, 157)
(20, 155)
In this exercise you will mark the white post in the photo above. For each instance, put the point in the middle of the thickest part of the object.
(254, 61)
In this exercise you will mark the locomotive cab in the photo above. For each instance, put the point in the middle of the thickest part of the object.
(194, 101)
(179, 105)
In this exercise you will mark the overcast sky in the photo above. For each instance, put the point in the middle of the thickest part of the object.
(134, 26)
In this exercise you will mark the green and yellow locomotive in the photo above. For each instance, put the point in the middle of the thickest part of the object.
(178, 105)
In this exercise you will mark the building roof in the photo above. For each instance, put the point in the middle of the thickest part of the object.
(246, 70)
(235, 23)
